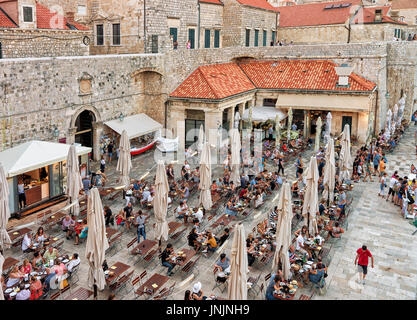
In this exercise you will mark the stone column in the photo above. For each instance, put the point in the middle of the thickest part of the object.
(176, 123)
(213, 120)
(71, 135)
(97, 132)
(231, 116)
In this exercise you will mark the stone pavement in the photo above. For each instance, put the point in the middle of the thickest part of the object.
(379, 225)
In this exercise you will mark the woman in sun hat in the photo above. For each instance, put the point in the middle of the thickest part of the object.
(197, 292)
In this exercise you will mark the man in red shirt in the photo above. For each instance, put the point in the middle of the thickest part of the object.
(362, 259)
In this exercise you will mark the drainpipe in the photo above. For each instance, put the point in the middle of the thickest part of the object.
(198, 25)
(144, 25)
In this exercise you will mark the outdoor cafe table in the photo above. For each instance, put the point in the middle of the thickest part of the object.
(110, 232)
(80, 294)
(9, 262)
(224, 220)
(118, 268)
(54, 218)
(14, 235)
(144, 247)
(154, 283)
(104, 192)
(189, 253)
(173, 226)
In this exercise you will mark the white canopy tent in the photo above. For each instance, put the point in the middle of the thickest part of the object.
(35, 154)
(135, 126)
(264, 114)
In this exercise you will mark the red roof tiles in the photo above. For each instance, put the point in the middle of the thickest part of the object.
(367, 15)
(225, 80)
(404, 4)
(262, 4)
(214, 82)
(5, 21)
(212, 1)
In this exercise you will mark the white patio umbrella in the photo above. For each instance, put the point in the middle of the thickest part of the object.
(205, 177)
(200, 139)
(4, 210)
(289, 124)
(1, 273)
(387, 132)
(401, 111)
(394, 119)
(329, 172)
(345, 155)
(318, 134)
(97, 243)
(277, 131)
(74, 182)
(124, 163)
(238, 285)
(310, 204)
(283, 233)
(160, 202)
(237, 120)
(250, 118)
(328, 125)
(235, 145)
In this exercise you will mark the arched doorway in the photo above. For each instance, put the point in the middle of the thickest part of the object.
(84, 125)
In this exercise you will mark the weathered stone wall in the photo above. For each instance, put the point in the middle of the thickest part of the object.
(211, 17)
(314, 34)
(19, 43)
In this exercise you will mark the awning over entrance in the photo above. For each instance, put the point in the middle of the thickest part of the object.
(136, 125)
(35, 154)
(264, 114)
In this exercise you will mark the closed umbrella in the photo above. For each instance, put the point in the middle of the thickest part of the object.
(318, 133)
(4, 210)
(97, 243)
(205, 177)
(238, 286)
(394, 119)
(1, 272)
(250, 118)
(235, 146)
(310, 204)
(283, 233)
(387, 133)
(329, 172)
(200, 139)
(289, 124)
(401, 111)
(74, 182)
(160, 202)
(345, 155)
(277, 131)
(328, 125)
(124, 163)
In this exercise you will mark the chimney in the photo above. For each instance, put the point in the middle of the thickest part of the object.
(378, 15)
(343, 72)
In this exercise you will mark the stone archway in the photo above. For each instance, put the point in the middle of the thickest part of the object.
(243, 59)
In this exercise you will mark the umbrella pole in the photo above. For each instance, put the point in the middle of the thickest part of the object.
(95, 290)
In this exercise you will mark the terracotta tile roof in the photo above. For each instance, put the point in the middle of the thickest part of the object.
(212, 1)
(214, 82)
(367, 15)
(404, 4)
(262, 4)
(5, 21)
(302, 75)
(314, 14)
(46, 19)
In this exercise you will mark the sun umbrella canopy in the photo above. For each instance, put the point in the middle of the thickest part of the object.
(345, 155)
(97, 243)
(311, 205)
(200, 139)
(289, 123)
(283, 233)
(205, 177)
(328, 124)
(160, 202)
(277, 131)
(318, 133)
(4, 210)
(329, 172)
(235, 145)
(124, 163)
(238, 286)
(74, 182)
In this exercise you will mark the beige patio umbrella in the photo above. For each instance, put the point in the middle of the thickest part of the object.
(205, 177)
(160, 202)
(250, 118)
(4, 210)
(310, 204)
(1, 273)
(289, 124)
(200, 139)
(235, 145)
(329, 172)
(97, 243)
(283, 233)
(238, 285)
(74, 182)
(318, 133)
(345, 155)
(371, 126)
(277, 131)
(124, 163)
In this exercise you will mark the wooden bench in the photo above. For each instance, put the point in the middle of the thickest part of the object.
(176, 236)
(148, 259)
(189, 267)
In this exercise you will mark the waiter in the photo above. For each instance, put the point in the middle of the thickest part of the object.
(21, 194)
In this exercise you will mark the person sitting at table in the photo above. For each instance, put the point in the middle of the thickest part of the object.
(272, 286)
(322, 207)
(37, 261)
(335, 231)
(182, 209)
(26, 267)
(223, 264)
(210, 243)
(14, 277)
(413, 169)
(230, 210)
(187, 295)
(166, 258)
(196, 175)
(170, 172)
(27, 243)
(273, 218)
(193, 240)
(65, 225)
(213, 187)
(184, 173)
(223, 237)
(196, 226)
(74, 262)
(108, 216)
(24, 293)
(317, 273)
(258, 200)
(197, 292)
(81, 231)
(40, 236)
(302, 237)
(36, 288)
(185, 191)
(50, 254)
(295, 188)
(198, 214)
